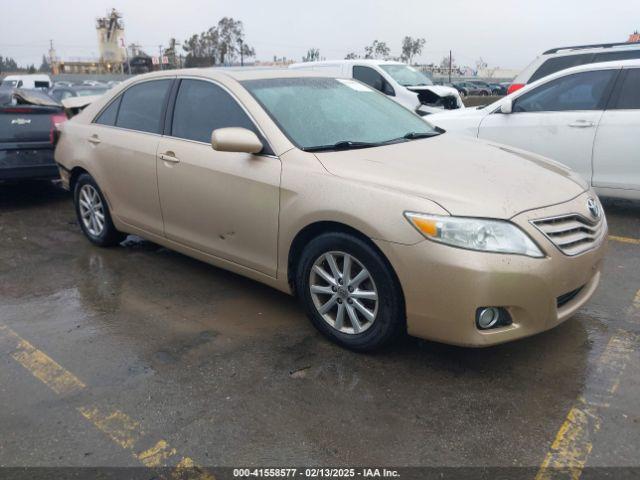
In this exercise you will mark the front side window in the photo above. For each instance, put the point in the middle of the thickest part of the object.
(629, 95)
(372, 78)
(406, 76)
(580, 91)
(202, 107)
(317, 112)
(142, 105)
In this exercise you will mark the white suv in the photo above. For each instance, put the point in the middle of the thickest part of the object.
(557, 59)
(399, 81)
(586, 117)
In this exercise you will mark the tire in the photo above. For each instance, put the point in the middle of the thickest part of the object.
(95, 220)
(388, 308)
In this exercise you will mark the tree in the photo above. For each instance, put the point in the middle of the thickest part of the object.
(221, 44)
(480, 64)
(377, 50)
(444, 63)
(411, 47)
(31, 69)
(44, 66)
(351, 56)
(313, 55)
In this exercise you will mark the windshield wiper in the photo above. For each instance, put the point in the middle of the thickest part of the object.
(416, 135)
(343, 145)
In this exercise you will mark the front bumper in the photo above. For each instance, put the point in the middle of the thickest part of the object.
(444, 286)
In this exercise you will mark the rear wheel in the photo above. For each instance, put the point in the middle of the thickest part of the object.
(93, 213)
(350, 292)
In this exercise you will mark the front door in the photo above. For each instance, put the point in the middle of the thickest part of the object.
(222, 203)
(557, 119)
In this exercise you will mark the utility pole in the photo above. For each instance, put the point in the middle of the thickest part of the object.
(450, 64)
(160, 57)
(241, 52)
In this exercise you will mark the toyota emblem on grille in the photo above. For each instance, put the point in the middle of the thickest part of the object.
(593, 207)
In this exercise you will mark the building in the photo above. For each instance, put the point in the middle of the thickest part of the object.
(111, 41)
(634, 37)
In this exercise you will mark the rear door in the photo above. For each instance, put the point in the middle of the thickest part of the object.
(616, 163)
(124, 141)
(223, 203)
(558, 119)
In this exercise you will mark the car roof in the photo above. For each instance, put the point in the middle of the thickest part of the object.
(359, 61)
(236, 73)
(592, 48)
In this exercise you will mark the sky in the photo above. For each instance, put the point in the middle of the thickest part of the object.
(505, 33)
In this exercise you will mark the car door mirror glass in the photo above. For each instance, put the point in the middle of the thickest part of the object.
(235, 139)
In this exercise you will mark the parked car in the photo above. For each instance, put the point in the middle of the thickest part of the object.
(60, 93)
(39, 81)
(401, 82)
(498, 88)
(28, 132)
(586, 117)
(377, 221)
(461, 90)
(475, 89)
(558, 59)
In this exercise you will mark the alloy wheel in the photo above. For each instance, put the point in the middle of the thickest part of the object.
(91, 210)
(343, 292)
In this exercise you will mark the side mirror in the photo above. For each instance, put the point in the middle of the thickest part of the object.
(235, 139)
(507, 106)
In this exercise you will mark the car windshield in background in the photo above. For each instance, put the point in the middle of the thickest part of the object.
(90, 91)
(9, 83)
(333, 114)
(407, 76)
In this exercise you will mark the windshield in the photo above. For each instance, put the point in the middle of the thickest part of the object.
(88, 92)
(9, 83)
(321, 112)
(406, 76)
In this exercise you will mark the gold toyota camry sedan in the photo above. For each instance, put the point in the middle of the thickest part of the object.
(326, 189)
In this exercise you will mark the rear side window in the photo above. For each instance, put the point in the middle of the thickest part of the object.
(580, 91)
(372, 78)
(108, 115)
(142, 105)
(556, 64)
(201, 107)
(629, 95)
(620, 55)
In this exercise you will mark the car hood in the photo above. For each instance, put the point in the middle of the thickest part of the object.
(465, 176)
(439, 90)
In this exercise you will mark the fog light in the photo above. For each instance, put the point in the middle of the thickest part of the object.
(488, 317)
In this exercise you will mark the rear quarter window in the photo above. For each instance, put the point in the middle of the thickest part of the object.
(556, 64)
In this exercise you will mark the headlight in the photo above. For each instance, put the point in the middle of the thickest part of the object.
(497, 236)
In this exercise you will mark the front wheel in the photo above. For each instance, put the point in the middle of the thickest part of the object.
(93, 213)
(350, 292)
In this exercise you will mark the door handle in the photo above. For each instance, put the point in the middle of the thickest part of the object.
(169, 157)
(93, 139)
(582, 124)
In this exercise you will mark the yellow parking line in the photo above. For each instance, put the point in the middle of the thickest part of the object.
(122, 429)
(573, 442)
(616, 238)
(41, 366)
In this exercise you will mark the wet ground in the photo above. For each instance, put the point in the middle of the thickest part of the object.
(107, 353)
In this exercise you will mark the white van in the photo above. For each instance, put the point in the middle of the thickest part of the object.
(403, 83)
(39, 81)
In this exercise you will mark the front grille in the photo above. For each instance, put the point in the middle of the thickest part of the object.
(567, 297)
(573, 234)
